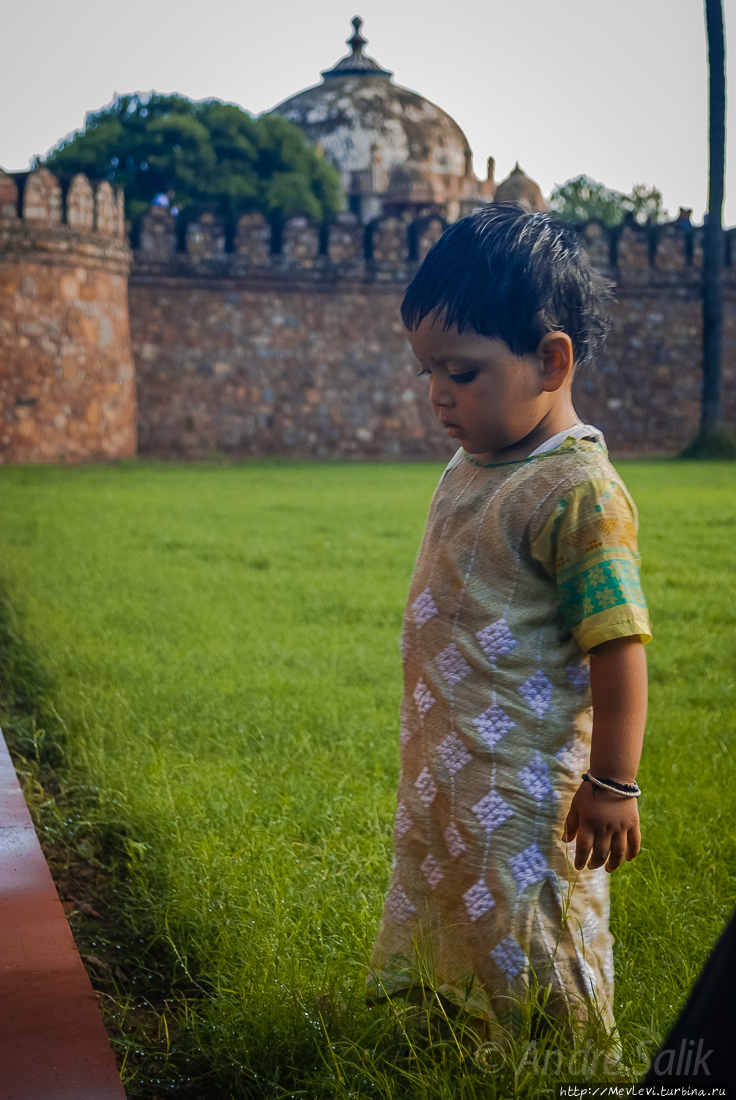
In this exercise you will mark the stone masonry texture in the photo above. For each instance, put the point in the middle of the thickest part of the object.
(293, 370)
(67, 386)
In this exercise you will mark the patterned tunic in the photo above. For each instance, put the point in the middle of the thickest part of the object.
(524, 567)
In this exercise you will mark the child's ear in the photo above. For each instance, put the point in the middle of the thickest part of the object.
(555, 351)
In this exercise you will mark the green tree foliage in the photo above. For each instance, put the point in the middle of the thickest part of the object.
(205, 156)
(582, 199)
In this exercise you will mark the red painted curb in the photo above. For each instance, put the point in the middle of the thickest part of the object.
(52, 1042)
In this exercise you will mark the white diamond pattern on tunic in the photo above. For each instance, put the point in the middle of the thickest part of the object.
(406, 735)
(478, 900)
(573, 754)
(492, 724)
(496, 640)
(578, 673)
(537, 693)
(535, 777)
(453, 840)
(453, 753)
(426, 786)
(492, 811)
(403, 821)
(529, 866)
(423, 697)
(404, 643)
(399, 905)
(453, 665)
(424, 608)
(509, 957)
(431, 870)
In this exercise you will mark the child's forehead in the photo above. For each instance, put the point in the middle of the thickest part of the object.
(431, 340)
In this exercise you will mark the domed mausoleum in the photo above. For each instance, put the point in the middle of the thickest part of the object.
(397, 152)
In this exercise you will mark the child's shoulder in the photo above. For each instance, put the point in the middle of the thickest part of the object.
(577, 480)
(578, 473)
(576, 462)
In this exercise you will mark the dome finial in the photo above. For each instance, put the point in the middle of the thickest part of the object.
(356, 63)
(357, 42)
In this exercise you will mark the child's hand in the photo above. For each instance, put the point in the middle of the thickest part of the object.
(606, 826)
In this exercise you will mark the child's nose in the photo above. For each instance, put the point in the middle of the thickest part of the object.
(440, 393)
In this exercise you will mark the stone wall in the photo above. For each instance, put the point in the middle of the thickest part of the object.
(294, 369)
(301, 351)
(67, 387)
(644, 388)
(287, 340)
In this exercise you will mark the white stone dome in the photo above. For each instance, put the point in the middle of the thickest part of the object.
(386, 140)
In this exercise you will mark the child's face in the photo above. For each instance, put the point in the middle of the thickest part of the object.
(485, 396)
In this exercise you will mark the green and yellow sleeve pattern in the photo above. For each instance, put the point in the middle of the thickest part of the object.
(588, 547)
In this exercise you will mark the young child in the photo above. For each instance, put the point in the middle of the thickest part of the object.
(523, 642)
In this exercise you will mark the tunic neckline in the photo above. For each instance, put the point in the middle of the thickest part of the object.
(569, 444)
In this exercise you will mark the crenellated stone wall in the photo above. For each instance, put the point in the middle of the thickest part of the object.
(67, 386)
(299, 351)
(259, 339)
(291, 343)
(643, 390)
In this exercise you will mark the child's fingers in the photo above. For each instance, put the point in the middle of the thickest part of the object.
(633, 842)
(583, 847)
(601, 850)
(619, 849)
(571, 824)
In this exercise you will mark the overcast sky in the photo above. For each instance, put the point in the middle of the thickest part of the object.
(613, 88)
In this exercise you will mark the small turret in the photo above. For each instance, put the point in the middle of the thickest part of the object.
(518, 188)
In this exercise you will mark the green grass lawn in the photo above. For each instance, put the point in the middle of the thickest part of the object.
(221, 648)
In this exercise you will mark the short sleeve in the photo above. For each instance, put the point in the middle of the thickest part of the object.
(588, 547)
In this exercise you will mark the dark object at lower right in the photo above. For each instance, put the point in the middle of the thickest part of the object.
(701, 1047)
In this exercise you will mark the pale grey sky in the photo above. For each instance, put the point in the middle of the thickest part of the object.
(613, 88)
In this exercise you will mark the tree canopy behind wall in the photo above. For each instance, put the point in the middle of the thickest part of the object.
(206, 155)
(583, 198)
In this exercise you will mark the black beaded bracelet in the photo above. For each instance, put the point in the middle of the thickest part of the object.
(627, 790)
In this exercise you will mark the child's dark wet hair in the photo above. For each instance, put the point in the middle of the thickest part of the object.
(514, 276)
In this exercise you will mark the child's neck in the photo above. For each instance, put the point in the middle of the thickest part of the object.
(560, 416)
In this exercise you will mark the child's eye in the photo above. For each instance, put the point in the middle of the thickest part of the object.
(422, 373)
(466, 376)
